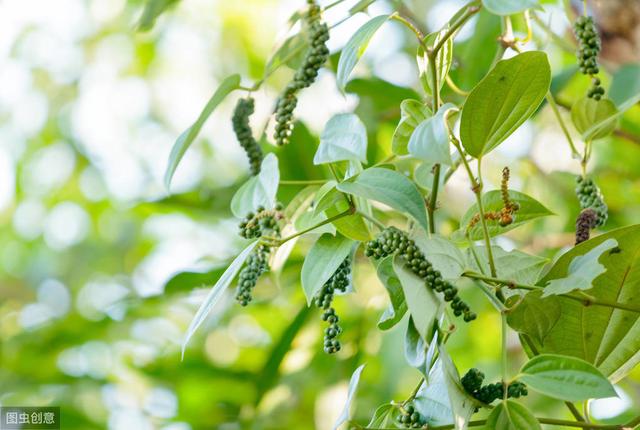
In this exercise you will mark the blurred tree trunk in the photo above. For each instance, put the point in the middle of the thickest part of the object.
(619, 22)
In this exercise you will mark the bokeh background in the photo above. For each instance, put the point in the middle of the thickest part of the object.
(101, 270)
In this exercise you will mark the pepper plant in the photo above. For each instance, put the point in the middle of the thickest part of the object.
(576, 317)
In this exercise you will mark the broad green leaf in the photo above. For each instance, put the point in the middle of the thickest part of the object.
(509, 7)
(326, 197)
(612, 119)
(216, 293)
(533, 316)
(510, 415)
(603, 336)
(353, 386)
(352, 226)
(582, 272)
(514, 265)
(442, 253)
(415, 348)
(412, 113)
(430, 140)
(152, 10)
(625, 84)
(188, 136)
(530, 209)
(565, 378)
(259, 190)
(383, 416)
(398, 307)
(432, 400)
(301, 202)
(291, 53)
(503, 100)
(586, 112)
(322, 261)
(344, 138)
(388, 187)
(462, 404)
(424, 306)
(442, 61)
(355, 47)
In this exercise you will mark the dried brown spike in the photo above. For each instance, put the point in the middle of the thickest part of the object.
(585, 222)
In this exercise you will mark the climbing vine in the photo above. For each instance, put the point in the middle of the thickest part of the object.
(379, 212)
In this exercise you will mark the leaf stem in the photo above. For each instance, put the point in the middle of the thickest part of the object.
(563, 126)
(410, 25)
(585, 299)
(279, 242)
(433, 198)
(456, 89)
(374, 221)
(472, 8)
(485, 230)
(303, 182)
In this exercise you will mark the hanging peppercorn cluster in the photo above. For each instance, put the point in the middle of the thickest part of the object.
(263, 223)
(588, 49)
(315, 57)
(256, 265)
(472, 383)
(410, 418)
(338, 282)
(585, 222)
(590, 197)
(392, 240)
(240, 120)
(505, 216)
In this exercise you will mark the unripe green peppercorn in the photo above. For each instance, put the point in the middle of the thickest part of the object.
(244, 109)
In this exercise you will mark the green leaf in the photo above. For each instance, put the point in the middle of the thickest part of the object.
(432, 400)
(530, 209)
(430, 140)
(586, 112)
(606, 337)
(534, 316)
(625, 84)
(188, 136)
(509, 415)
(503, 100)
(291, 53)
(216, 293)
(353, 386)
(355, 47)
(300, 203)
(565, 378)
(442, 253)
(344, 138)
(388, 187)
(509, 7)
(327, 197)
(322, 261)
(152, 10)
(309, 219)
(382, 417)
(415, 348)
(442, 61)
(424, 306)
(462, 404)
(514, 265)
(398, 307)
(412, 113)
(612, 119)
(259, 190)
(352, 226)
(361, 6)
(582, 272)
